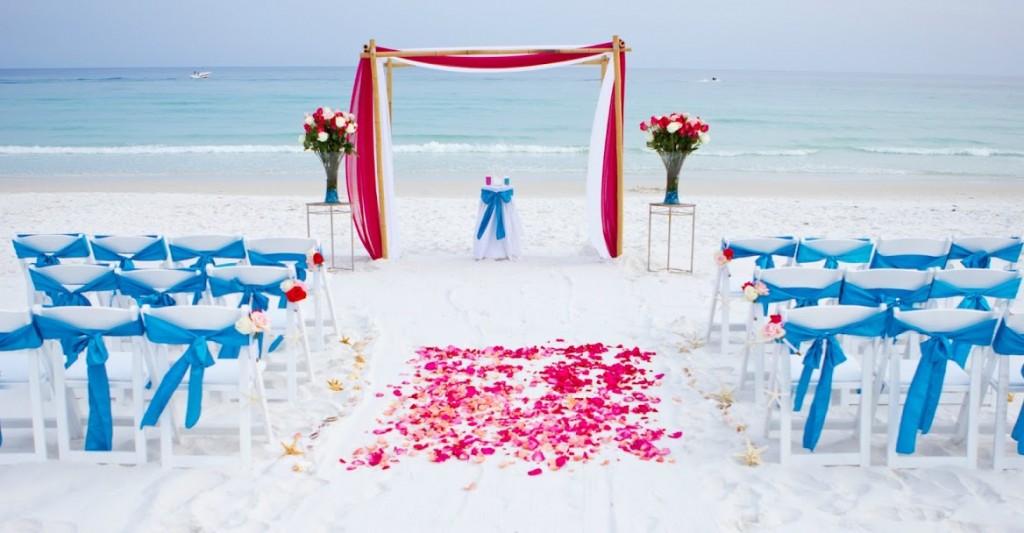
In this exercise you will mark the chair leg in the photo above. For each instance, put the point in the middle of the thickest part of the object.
(300, 320)
(244, 413)
(865, 407)
(999, 437)
(35, 398)
(330, 307)
(715, 295)
(974, 406)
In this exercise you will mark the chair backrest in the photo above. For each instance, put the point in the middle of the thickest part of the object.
(93, 318)
(11, 320)
(831, 317)
(974, 284)
(128, 249)
(197, 317)
(50, 248)
(281, 245)
(977, 252)
(916, 253)
(905, 279)
(70, 284)
(160, 279)
(206, 249)
(763, 249)
(156, 286)
(811, 278)
(250, 275)
(940, 321)
(834, 251)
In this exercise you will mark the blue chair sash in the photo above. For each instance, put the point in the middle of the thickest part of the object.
(902, 299)
(24, 338)
(1010, 342)
(195, 360)
(76, 248)
(155, 251)
(926, 385)
(280, 260)
(254, 296)
(975, 298)
(807, 253)
(100, 433)
(232, 250)
(911, 261)
(494, 201)
(981, 258)
(146, 295)
(764, 258)
(826, 352)
(803, 296)
(61, 296)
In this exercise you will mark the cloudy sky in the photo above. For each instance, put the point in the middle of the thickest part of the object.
(901, 36)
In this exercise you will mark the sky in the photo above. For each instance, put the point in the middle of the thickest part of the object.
(892, 36)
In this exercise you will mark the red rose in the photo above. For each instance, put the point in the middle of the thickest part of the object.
(295, 294)
(643, 126)
(308, 127)
(776, 319)
(704, 128)
(318, 258)
(663, 122)
(728, 253)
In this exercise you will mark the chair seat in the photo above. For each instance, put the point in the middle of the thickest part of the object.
(848, 372)
(119, 369)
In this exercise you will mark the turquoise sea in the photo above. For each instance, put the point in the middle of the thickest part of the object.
(157, 123)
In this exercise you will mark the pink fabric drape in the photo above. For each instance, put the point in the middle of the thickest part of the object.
(361, 171)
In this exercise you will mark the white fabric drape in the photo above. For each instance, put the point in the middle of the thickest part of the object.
(595, 164)
(387, 160)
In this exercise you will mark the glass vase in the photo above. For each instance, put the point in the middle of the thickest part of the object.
(332, 164)
(673, 162)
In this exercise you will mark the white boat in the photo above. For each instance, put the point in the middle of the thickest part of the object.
(197, 75)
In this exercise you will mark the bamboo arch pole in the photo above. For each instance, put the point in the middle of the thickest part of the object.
(390, 63)
(617, 98)
(380, 163)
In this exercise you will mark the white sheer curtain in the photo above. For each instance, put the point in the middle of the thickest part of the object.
(595, 165)
(387, 164)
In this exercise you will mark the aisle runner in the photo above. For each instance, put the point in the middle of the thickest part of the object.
(547, 405)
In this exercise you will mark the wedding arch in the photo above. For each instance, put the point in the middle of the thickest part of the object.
(370, 176)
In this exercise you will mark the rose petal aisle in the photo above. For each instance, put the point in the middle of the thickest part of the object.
(548, 405)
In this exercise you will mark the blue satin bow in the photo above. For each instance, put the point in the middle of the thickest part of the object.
(911, 261)
(60, 296)
(764, 258)
(155, 251)
(24, 338)
(494, 199)
(975, 298)
(803, 296)
(232, 250)
(253, 295)
(926, 386)
(807, 253)
(195, 360)
(74, 340)
(76, 248)
(826, 353)
(281, 260)
(902, 299)
(1010, 342)
(981, 258)
(147, 295)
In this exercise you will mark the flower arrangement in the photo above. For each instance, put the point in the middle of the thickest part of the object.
(723, 257)
(752, 290)
(675, 133)
(255, 323)
(294, 290)
(314, 258)
(773, 330)
(329, 131)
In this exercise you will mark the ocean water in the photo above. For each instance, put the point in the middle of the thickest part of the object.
(159, 123)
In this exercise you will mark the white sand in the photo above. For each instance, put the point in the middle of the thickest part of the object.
(435, 294)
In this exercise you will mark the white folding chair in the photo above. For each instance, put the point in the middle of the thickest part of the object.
(48, 249)
(952, 335)
(192, 367)
(62, 285)
(197, 251)
(257, 286)
(160, 287)
(295, 252)
(20, 371)
(973, 287)
(1008, 347)
(826, 368)
(797, 286)
(747, 254)
(128, 252)
(914, 253)
(834, 253)
(83, 342)
(978, 252)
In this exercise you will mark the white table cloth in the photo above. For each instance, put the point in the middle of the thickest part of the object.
(488, 245)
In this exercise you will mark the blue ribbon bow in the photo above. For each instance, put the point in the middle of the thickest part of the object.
(281, 260)
(147, 295)
(494, 199)
(76, 248)
(911, 261)
(926, 386)
(826, 352)
(24, 338)
(808, 253)
(803, 296)
(981, 258)
(255, 296)
(975, 298)
(155, 251)
(764, 258)
(74, 340)
(61, 296)
(232, 250)
(1010, 342)
(902, 299)
(195, 360)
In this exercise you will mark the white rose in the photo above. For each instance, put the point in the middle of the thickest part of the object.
(351, 128)
(328, 114)
(750, 293)
(287, 285)
(322, 136)
(244, 326)
(309, 119)
(674, 127)
(704, 137)
(650, 135)
(302, 138)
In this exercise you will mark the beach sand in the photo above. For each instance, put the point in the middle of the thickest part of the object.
(435, 294)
